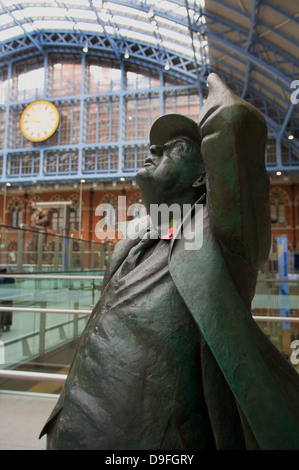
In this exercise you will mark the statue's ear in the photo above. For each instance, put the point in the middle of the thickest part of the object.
(200, 181)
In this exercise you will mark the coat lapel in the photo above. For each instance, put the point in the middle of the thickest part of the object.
(135, 230)
(263, 383)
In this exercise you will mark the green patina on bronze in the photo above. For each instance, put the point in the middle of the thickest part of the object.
(171, 357)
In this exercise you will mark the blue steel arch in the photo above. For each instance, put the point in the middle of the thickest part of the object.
(72, 44)
(180, 66)
(253, 51)
(66, 41)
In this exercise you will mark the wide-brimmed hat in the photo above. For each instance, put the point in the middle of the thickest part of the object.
(169, 126)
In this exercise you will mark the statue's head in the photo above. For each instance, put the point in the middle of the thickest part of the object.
(174, 170)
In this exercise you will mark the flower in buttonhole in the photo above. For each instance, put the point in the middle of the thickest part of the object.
(171, 230)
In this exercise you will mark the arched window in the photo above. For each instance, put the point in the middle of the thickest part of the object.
(111, 215)
(74, 216)
(57, 219)
(16, 214)
(109, 210)
(279, 208)
(136, 208)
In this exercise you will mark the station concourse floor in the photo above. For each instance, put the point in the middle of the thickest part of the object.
(23, 416)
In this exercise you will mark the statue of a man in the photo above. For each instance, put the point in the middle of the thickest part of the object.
(40, 220)
(171, 357)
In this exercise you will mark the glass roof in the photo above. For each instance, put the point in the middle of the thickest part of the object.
(164, 24)
(252, 45)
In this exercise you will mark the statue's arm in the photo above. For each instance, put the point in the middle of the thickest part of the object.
(233, 149)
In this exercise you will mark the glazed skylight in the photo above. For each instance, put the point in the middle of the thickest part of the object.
(163, 23)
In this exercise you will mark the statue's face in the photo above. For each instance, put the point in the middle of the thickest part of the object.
(171, 168)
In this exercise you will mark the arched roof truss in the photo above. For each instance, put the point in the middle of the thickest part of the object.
(252, 44)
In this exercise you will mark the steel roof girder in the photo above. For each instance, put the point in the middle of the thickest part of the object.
(250, 41)
(69, 39)
(259, 84)
(251, 58)
(74, 39)
(221, 37)
(11, 45)
(112, 44)
(269, 27)
(276, 8)
(241, 61)
(260, 49)
(271, 124)
(18, 23)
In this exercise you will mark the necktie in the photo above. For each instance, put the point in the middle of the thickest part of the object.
(138, 251)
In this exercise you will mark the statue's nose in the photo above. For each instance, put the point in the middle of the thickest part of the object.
(156, 150)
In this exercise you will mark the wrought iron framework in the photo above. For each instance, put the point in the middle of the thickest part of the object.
(189, 39)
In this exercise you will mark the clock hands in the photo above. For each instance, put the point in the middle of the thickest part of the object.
(39, 121)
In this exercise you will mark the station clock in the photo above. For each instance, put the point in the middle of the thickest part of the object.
(39, 120)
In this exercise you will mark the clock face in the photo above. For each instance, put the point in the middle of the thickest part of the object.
(39, 121)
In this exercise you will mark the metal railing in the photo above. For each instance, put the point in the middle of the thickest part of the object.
(271, 286)
(257, 318)
(42, 333)
(40, 376)
(23, 250)
(36, 376)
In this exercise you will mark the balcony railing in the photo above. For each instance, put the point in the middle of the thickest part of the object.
(51, 284)
(31, 251)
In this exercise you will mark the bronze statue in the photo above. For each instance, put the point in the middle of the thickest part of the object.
(40, 220)
(171, 357)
